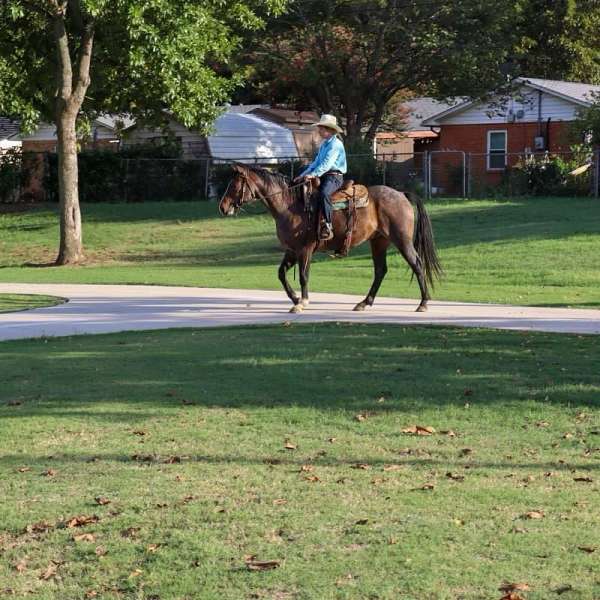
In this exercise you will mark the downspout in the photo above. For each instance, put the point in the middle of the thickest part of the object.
(548, 133)
(539, 112)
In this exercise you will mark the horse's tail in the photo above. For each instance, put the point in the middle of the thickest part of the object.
(424, 242)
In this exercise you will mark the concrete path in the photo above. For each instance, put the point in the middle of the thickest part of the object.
(109, 308)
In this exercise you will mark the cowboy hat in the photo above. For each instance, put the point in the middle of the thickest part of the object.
(328, 121)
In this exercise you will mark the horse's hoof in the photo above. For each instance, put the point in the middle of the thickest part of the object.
(305, 302)
(298, 308)
(359, 307)
(422, 308)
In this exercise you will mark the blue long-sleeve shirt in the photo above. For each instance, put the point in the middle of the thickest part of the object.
(331, 157)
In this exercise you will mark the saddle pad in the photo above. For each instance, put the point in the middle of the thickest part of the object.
(341, 197)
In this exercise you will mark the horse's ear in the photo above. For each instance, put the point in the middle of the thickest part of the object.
(239, 168)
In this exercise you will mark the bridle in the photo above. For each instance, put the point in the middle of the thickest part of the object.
(241, 199)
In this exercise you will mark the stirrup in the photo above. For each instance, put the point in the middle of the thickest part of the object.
(325, 232)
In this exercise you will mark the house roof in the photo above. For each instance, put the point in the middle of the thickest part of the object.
(422, 109)
(8, 128)
(288, 117)
(576, 92)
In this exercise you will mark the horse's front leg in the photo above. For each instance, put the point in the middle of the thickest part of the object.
(289, 260)
(304, 262)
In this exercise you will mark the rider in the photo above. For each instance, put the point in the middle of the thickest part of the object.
(330, 166)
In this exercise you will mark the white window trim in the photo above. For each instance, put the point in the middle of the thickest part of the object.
(488, 153)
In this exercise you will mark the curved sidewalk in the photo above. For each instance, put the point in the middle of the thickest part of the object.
(110, 308)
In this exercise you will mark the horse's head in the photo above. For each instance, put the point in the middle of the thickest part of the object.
(242, 189)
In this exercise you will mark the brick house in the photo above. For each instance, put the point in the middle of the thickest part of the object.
(497, 132)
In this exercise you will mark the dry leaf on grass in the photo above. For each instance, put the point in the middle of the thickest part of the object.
(425, 486)
(138, 432)
(289, 445)
(466, 452)
(448, 432)
(455, 476)
(260, 565)
(81, 520)
(102, 501)
(49, 473)
(534, 514)
(24, 469)
(38, 527)
(50, 572)
(362, 522)
(135, 573)
(20, 566)
(583, 479)
(360, 466)
(588, 549)
(100, 550)
(361, 417)
(418, 430)
(279, 501)
(331, 440)
(152, 547)
(130, 532)
(312, 478)
(512, 596)
(84, 537)
(172, 460)
(306, 468)
(392, 467)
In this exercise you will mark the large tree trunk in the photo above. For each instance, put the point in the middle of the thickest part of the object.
(71, 87)
(71, 248)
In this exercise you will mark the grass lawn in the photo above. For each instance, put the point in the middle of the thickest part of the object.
(541, 251)
(207, 447)
(13, 302)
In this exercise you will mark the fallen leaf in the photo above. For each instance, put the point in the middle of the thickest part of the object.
(172, 460)
(331, 440)
(135, 573)
(312, 479)
(567, 436)
(419, 430)
(455, 476)
(513, 587)
(38, 527)
(588, 549)
(23, 469)
(100, 550)
(49, 473)
(152, 547)
(542, 424)
(262, 565)
(392, 467)
(144, 457)
(466, 452)
(361, 417)
(81, 520)
(20, 566)
(534, 514)
(130, 532)
(307, 468)
(138, 432)
(50, 572)
(91, 594)
(426, 486)
(448, 432)
(362, 466)
(512, 596)
(279, 501)
(362, 522)
(583, 479)
(289, 446)
(84, 537)
(102, 501)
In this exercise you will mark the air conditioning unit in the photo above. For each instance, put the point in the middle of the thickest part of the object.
(539, 142)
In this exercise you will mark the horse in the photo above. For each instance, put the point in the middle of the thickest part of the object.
(387, 219)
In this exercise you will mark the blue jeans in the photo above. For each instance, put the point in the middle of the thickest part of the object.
(330, 183)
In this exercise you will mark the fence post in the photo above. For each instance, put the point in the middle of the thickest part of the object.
(206, 176)
(126, 177)
(469, 168)
(383, 172)
(464, 169)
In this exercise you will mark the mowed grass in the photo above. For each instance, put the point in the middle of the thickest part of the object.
(540, 251)
(15, 302)
(207, 447)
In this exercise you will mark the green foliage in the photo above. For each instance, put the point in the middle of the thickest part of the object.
(351, 58)
(14, 174)
(547, 176)
(587, 125)
(558, 39)
(147, 56)
(145, 172)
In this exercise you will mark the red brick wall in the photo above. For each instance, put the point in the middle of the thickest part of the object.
(473, 138)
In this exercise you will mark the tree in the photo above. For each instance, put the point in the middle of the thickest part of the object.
(66, 60)
(352, 57)
(559, 39)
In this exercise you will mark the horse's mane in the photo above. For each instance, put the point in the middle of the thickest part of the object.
(276, 180)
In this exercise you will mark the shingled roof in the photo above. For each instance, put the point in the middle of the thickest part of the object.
(8, 128)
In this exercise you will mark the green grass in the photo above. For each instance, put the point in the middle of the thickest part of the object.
(542, 251)
(523, 407)
(14, 302)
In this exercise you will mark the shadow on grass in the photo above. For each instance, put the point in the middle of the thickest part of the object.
(327, 367)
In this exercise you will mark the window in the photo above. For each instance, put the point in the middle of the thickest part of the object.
(496, 150)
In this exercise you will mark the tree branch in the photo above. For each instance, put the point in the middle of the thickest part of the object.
(65, 71)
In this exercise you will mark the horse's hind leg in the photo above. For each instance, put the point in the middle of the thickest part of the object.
(289, 260)
(407, 249)
(379, 246)
(304, 259)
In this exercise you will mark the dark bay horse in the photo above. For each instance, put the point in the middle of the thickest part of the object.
(387, 219)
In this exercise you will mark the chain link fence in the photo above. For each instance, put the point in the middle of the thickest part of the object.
(108, 177)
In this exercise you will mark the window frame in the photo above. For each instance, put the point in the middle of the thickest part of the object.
(489, 151)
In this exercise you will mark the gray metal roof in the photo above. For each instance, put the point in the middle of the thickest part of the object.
(424, 108)
(581, 92)
(8, 128)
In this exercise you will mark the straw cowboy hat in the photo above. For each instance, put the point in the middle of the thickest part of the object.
(328, 121)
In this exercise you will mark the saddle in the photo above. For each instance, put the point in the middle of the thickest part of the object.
(349, 192)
